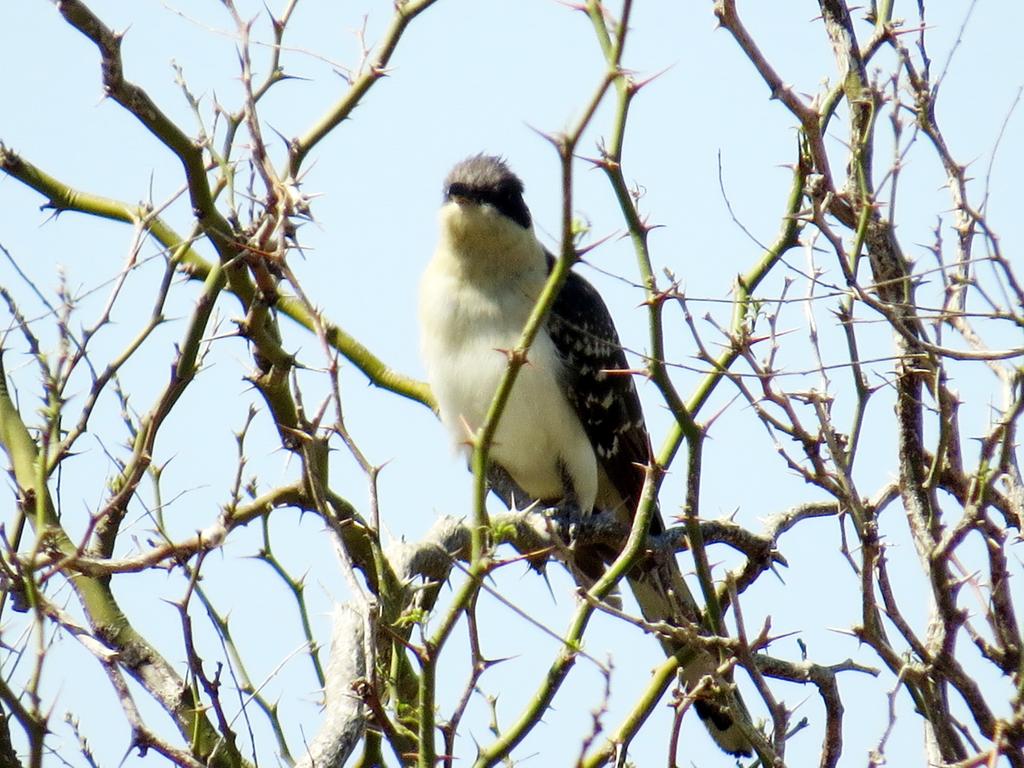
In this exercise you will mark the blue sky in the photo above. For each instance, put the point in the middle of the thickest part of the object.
(469, 76)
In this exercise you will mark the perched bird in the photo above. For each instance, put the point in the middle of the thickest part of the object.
(572, 434)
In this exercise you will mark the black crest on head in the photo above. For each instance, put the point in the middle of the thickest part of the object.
(486, 179)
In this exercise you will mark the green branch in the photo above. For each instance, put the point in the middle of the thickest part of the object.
(63, 197)
(110, 625)
(137, 102)
(405, 12)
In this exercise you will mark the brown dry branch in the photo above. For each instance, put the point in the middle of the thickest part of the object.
(858, 353)
(852, 213)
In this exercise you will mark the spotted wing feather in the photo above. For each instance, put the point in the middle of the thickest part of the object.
(603, 395)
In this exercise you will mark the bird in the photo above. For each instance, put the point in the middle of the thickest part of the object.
(572, 434)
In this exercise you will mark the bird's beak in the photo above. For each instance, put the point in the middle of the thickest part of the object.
(460, 195)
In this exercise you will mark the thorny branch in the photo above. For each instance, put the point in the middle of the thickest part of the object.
(956, 489)
(851, 212)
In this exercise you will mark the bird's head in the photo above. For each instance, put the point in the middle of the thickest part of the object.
(483, 205)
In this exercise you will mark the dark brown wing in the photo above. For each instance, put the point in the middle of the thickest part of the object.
(603, 395)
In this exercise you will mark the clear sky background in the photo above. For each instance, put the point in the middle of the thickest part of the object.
(469, 76)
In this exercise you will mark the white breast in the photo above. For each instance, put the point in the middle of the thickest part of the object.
(465, 327)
